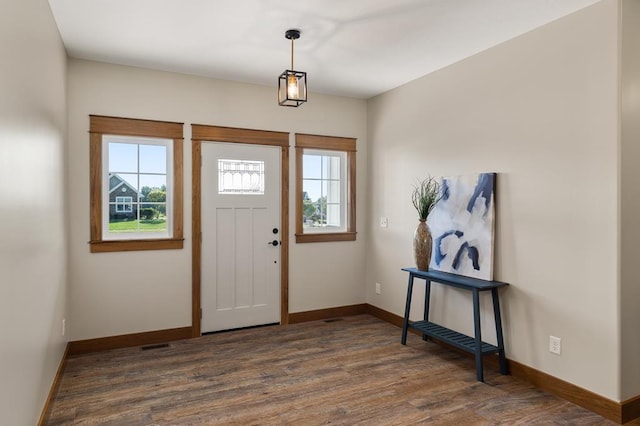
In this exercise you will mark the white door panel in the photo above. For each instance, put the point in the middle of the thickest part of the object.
(240, 268)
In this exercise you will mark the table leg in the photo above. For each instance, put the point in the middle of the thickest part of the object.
(496, 313)
(427, 299)
(407, 309)
(478, 335)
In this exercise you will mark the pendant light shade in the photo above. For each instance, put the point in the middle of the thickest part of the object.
(292, 85)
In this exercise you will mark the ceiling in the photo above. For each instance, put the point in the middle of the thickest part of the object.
(355, 48)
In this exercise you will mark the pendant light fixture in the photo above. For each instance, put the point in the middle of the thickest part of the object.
(292, 85)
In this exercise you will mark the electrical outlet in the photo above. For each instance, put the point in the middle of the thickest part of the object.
(64, 326)
(555, 345)
(378, 289)
(384, 222)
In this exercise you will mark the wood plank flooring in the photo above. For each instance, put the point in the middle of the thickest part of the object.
(346, 372)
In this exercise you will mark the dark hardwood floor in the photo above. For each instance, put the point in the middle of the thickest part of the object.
(350, 371)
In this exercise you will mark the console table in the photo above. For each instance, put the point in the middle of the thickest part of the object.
(474, 344)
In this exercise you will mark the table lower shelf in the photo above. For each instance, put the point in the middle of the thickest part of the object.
(459, 340)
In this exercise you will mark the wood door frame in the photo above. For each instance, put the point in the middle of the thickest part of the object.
(216, 134)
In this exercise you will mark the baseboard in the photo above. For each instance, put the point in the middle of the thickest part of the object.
(44, 415)
(385, 315)
(631, 409)
(615, 411)
(128, 340)
(321, 314)
(591, 401)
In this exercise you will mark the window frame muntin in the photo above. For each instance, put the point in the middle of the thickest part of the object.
(101, 125)
(326, 143)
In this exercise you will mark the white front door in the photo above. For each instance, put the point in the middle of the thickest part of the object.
(240, 195)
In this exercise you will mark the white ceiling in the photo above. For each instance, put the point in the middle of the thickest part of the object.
(356, 48)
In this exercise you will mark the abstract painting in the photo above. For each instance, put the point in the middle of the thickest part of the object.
(462, 226)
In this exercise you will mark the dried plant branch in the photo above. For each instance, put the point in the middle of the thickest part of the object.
(425, 196)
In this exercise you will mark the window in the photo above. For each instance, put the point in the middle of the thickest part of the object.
(244, 177)
(140, 167)
(325, 191)
(136, 184)
(124, 204)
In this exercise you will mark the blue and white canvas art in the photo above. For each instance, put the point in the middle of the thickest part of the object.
(462, 226)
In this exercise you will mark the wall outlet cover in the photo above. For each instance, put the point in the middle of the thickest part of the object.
(555, 345)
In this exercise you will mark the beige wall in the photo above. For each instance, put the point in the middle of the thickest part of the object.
(630, 199)
(157, 293)
(541, 111)
(33, 259)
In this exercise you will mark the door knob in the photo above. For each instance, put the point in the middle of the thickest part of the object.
(274, 243)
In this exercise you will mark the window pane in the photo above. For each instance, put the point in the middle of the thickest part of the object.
(128, 183)
(122, 217)
(333, 167)
(312, 188)
(153, 217)
(153, 159)
(333, 191)
(240, 177)
(152, 184)
(333, 215)
(123, 157)
(325, 188)
(312, 166)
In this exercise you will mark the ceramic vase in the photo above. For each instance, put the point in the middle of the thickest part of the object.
(422, 245)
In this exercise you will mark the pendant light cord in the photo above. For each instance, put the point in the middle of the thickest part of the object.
(291, 53)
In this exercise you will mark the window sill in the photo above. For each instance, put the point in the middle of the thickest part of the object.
(136, 245)
(325, 237)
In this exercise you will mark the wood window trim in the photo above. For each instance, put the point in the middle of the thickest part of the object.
(103, 125)
(327, 143)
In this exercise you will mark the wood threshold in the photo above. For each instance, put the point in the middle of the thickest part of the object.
(612, 410)
(128, 340)
(44, 415)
